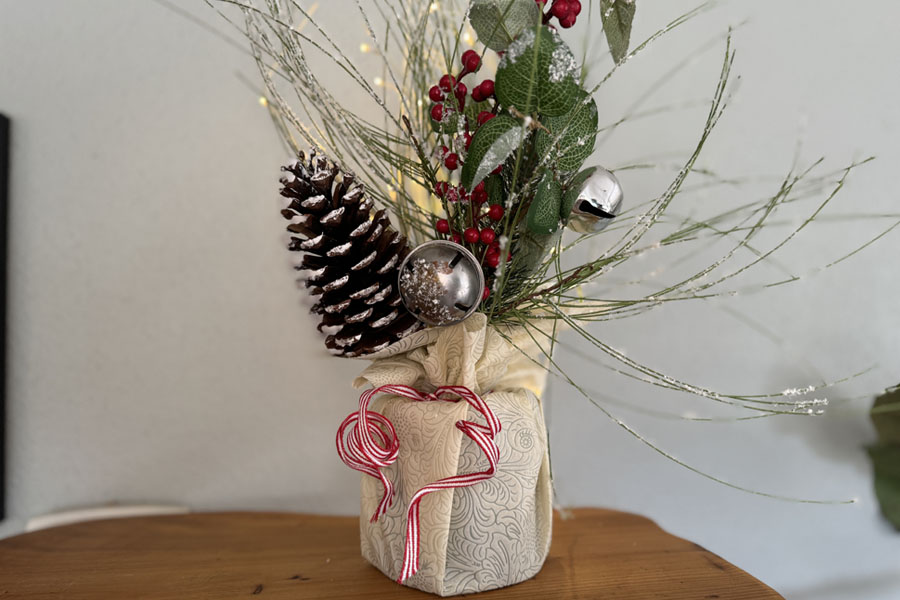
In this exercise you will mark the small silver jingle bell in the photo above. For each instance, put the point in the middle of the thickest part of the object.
(440, 283)
(598, 203)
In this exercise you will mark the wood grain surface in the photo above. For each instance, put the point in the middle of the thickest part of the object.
(595, 554)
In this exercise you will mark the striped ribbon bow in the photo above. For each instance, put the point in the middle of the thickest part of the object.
(372, 444)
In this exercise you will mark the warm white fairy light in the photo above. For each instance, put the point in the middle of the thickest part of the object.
(434, 7)
(263, 101)
(468, 38)
(364, 47)
(378, 81)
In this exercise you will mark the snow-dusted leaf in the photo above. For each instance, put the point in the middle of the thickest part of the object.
(491, 144)
(543, 213)
(617, 16)
(498, 22)
(577, 143)
(538, 73)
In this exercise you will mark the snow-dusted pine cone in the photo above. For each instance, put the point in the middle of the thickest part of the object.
(350, 255)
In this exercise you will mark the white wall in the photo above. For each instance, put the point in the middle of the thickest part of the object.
(158, 350)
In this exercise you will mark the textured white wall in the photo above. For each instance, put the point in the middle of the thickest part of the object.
(158, 351)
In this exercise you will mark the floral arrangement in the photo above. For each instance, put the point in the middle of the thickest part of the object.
(472, 192)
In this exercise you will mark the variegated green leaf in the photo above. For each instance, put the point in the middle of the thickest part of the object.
(570, 196)
(538, 74)
(543, 213)
(617, 16)
(577, 143)
(491, 144)
(498, 22)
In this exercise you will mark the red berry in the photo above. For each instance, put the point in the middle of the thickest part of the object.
(442, 226)
(477, 94)
(485, 116)
(471, 235)
(495, 212)
(447, 82)
(492, 259)
(461, 91)
(487, 88)
(497, 170)
(560, 9)
(437, 112)
(471, 61)
(574, 7)
(452, 161)
(567, 21)
(440, 188)
(456, 239)
(487, 290)
(468, 137)
(435, 94)
(452, 195)
(488, 236)
(479, 196)
(479, 187)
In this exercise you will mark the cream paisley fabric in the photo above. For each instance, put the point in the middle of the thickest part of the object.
(494, 533)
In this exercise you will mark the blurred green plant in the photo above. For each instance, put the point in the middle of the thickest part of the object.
(885, 453)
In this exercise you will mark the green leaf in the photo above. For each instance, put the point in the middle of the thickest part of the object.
(491, 144)
(886, 416)
(617, 16)
(543, 213)
(886, 453)
(886, 460)
(473, 108)
(577, 143)
(571, 193)
(538, 73)
(450, 124)
(531, 248)
(495, 190)
(498, 22)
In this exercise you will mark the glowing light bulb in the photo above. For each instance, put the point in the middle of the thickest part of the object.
(263, 101)
(378, 81)
(364, 47)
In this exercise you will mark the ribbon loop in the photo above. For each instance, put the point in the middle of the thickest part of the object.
(372, 444)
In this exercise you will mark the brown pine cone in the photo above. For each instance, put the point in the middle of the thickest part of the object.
(351, 257)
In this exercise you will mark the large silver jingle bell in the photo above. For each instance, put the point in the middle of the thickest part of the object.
(440, 283)
(598, 203)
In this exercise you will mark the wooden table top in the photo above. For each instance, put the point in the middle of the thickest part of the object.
(595, 554)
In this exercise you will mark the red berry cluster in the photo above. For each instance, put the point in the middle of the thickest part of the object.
(474, 220)
(566, 11)
(440, 110)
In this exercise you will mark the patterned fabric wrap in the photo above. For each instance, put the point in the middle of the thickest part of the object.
(496, 532)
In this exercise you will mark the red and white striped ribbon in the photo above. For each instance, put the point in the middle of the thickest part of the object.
(369, 447)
